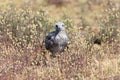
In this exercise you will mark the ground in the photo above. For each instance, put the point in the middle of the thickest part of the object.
(93, 27)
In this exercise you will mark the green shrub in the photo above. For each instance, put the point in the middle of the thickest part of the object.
(109, 23)
(24, 26)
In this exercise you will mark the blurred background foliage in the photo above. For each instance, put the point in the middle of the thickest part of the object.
(93, 27)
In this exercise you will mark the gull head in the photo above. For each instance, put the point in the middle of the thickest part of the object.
(60, 26)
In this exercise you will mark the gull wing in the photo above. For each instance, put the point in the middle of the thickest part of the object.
(49, 40)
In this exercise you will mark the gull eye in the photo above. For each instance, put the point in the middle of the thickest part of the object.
(63, 25)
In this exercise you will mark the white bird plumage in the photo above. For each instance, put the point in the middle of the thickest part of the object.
(57, 40)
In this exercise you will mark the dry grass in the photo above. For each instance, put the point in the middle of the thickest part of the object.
(93, 27)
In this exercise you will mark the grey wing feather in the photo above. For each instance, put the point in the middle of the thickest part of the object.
(49, 41)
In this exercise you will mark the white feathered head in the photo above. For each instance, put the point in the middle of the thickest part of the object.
(60, 26)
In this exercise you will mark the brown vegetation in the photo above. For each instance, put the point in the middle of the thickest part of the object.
(93, 27)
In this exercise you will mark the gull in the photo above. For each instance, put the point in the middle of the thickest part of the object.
(57, 40)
